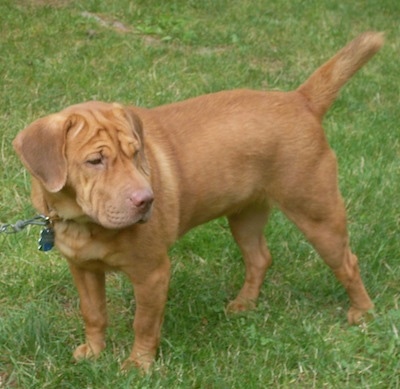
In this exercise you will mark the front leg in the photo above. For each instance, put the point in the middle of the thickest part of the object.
(91, 289)
(151, 288)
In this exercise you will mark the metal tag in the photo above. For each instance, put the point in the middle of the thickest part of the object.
(46, 240)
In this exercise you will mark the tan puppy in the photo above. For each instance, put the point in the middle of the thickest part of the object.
(96, 169)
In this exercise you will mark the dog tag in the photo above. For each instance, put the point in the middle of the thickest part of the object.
(46, 240)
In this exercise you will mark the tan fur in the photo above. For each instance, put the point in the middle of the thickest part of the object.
(97, 167)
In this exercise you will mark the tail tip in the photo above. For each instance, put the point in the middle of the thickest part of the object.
(375, 39)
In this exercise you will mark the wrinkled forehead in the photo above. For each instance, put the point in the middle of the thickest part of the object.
(98, 127)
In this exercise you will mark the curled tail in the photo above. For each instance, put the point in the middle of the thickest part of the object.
(324, 84)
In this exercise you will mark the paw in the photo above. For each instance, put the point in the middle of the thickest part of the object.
(240, 305)
(88, 351)
(356, 316)
(142, 363)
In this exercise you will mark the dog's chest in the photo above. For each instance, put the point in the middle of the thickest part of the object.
(85, 245)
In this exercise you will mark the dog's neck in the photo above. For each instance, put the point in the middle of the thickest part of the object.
(55, 217)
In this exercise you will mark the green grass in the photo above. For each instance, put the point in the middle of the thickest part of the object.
(56, 53)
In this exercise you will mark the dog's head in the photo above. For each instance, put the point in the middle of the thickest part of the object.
(88, 161)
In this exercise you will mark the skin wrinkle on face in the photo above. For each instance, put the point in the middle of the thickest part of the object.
(108, 133)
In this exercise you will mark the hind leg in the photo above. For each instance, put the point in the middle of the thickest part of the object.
(248, 230)
(323, 221)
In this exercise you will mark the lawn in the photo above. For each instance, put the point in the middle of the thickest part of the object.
(57, 53)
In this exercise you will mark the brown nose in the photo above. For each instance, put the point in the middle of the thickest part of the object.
(142, 199)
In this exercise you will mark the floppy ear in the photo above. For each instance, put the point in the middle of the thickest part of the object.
(41, 148)
(136, 126)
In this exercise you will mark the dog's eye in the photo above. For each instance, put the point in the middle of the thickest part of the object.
(95, 161)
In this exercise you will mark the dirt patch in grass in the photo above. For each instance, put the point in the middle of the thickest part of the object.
(44, 3)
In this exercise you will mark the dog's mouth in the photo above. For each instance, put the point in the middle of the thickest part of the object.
(145, 218)
(114, 218)
(130, 208)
